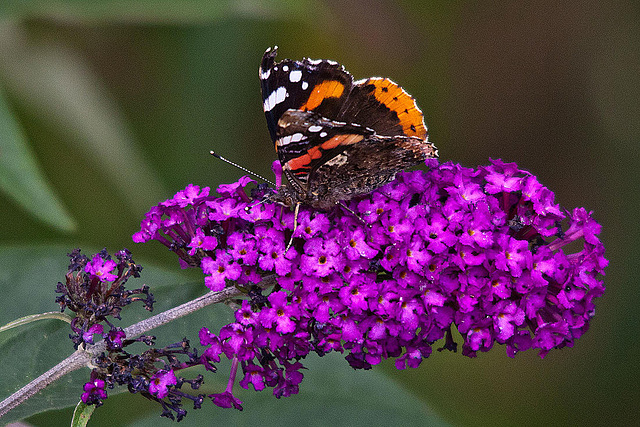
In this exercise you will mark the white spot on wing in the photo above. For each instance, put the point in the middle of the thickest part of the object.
(338, 160)
(295, 76)
(286, 140)
(275, 98)
(361, 81)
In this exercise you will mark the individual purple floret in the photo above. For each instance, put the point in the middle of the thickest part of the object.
(94, 392)
(485, 250)
(160, 383)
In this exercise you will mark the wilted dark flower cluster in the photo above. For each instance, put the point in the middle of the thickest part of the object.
(152, 374)
(481, 249)
(94, 292)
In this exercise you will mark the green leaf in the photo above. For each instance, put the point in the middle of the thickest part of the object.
(57, 84)
(82, 414)
(331, 393)
(29, 352)
(21, 177)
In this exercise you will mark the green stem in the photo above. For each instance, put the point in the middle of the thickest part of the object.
(35, 317)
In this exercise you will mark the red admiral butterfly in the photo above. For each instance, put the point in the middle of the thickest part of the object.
(337, 138)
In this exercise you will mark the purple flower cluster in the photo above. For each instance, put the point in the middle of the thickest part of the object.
(482, 249)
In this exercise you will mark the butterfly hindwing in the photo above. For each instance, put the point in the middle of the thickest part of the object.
(306, 140)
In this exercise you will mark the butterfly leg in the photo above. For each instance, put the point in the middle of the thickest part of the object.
(295, 225)
(345, 207)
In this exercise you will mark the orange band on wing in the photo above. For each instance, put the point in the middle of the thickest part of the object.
(303, 162)
(396, 99)
(326, 89)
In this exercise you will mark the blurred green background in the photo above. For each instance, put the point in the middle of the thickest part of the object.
(108, 107)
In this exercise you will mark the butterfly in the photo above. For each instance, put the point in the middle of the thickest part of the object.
(337, 138)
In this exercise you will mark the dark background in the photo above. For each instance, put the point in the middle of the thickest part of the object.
(120, 102)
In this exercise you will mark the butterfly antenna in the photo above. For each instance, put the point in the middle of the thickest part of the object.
(218, 156)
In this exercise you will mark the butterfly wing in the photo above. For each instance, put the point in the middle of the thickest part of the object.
(305, 141)
(328, 161)
(361, 168)
(385, 107)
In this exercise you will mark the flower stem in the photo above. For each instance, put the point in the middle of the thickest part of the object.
(34, 317)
